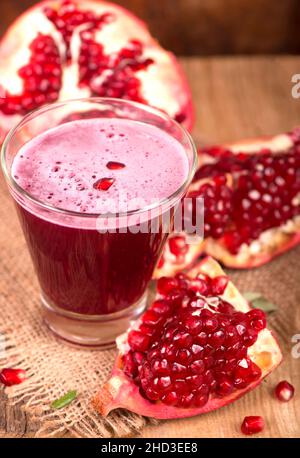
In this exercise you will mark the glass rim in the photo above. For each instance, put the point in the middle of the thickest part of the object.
(100, 100)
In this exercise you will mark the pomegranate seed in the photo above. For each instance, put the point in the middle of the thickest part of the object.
(138, 358)
(252, 425)
(151, 318)
(186, 400)
(250, 337)
(103, 184)
(178, 245)
(224, 386)
(201, 286)
(170, 398)
(166, 284)
(112, 165)
(161, 307)
(200, 400)
(138, 341)
(210, 324)
(257, 319)
(217, 338)
(10, 377)
(197, 367)
(160, 367)
(152, 394)
(129, 366)
(218, 285)
(284, 391)
(194, 325)
(161, 262)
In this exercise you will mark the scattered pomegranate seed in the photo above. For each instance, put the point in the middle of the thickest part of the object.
(112, 165)
(284, 391)
(103, 184)
(177, 245)
(252, 425)
(10, 377)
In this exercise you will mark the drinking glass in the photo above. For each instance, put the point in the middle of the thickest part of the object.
(93, 280)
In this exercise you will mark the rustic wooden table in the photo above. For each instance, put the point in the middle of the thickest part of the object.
(234, 98)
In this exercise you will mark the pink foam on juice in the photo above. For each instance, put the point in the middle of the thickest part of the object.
(89, 166)
(62, 165)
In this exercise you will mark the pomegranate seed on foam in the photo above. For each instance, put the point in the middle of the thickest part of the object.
(284, 391)
(185, 351)
(252, 425)
(113, 165)
(103, 184)
(10, 377)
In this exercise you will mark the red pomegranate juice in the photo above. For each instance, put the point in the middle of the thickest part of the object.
(91, 167)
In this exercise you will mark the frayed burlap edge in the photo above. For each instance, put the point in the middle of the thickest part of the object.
(53, 369)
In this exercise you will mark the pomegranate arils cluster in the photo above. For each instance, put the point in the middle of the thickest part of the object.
(41, 78)
(217, 198)
(191, 344)
(105, 75)
(67, 18)
(263, 194)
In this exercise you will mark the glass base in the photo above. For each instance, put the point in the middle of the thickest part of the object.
(90, 331)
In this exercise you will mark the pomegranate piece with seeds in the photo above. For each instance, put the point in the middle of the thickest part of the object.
(10, 377)
(251, 193)
(284, 391)
(252, 425)
(66, 49)
(194, 350)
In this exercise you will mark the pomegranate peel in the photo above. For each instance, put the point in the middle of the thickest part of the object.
(131, 386)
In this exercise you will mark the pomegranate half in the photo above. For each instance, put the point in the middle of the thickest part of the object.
(251, 194)
(197, 348)
(67, 49)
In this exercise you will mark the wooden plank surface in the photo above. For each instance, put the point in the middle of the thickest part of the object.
(234, 98)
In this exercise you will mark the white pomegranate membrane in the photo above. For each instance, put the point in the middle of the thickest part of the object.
(101, 165)
(191, 345)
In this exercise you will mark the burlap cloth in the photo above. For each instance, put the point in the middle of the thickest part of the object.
(54, 368)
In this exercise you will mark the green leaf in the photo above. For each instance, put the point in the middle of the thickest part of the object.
(258, 301)
(251, 296)
(263, 304)
(65, 400)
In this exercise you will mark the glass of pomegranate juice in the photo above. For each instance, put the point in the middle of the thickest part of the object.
(95, 183)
